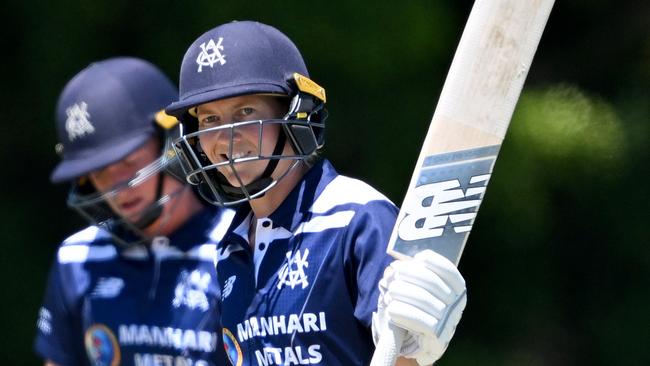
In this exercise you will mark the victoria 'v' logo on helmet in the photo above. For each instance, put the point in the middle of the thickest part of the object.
(210, 54)
(78, 123)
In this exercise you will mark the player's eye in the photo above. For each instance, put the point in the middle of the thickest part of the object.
(209, 121)
(244, 114)
(100, 175)
(132, 159)
(139, 158)
(136, 157)
(247, 111)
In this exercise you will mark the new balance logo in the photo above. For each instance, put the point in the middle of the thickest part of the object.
(44, 321)
(78, 123)
(432, 206)
(108, 287)
(227, 287)
(211, 54)
(439, 212)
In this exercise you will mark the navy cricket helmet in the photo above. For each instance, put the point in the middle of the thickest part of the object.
(104, 113)
(243, 58)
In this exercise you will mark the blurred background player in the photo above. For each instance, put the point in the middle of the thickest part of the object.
(138, 286)
(300, 265)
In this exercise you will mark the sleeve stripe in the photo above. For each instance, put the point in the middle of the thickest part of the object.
(83, 253)
(343, 191)
(322, 223)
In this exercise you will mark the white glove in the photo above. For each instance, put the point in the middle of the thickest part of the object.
(425, 296)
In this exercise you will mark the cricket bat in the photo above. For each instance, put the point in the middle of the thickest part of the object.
(469, 124)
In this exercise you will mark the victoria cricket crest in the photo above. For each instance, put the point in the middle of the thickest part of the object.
(439, 211)
(210, 54)
(292, 272)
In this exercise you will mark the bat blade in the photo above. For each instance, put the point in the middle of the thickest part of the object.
(468, 126)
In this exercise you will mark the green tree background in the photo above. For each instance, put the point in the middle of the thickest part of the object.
(558, 263)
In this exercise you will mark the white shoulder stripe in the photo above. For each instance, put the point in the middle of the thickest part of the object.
(86, 235)
(322, 223)
(203, 252)
(84, 253)
(221, 255)
(344, 190)
(224, 223)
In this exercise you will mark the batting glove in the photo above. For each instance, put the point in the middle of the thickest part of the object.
(426, 296)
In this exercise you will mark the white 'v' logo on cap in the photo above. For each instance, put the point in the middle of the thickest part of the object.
(211, 54)
(78, 122)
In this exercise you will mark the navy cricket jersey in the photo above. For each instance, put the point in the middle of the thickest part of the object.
(306, 293)
(138, 306)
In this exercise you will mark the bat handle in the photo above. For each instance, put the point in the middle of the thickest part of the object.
(388, 347)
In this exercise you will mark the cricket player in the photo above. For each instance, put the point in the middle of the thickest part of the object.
(300, 265)
(138, 286)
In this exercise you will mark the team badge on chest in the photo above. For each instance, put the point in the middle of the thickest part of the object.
(192, 289)
(292, 273)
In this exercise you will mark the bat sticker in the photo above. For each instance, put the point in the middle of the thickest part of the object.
(439, 212)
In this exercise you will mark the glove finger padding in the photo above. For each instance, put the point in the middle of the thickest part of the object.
(421, 276)
(447, 327)
(408, 293)
(411, 318)
(444, 268)
(421, 321)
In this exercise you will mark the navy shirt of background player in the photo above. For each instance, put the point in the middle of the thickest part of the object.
(135, 306)
(306, 292)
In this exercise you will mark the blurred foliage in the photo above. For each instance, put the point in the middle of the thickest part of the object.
(557, 265)
(562, 123)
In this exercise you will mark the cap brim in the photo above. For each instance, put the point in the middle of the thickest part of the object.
(71, 168)
(178, 108)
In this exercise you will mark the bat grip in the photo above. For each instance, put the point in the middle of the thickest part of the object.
(388, 347)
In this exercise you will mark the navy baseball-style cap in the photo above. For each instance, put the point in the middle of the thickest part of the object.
(106, 112)
(237, 58)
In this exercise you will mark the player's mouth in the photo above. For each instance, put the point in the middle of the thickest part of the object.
(130, 205)
(235, 156)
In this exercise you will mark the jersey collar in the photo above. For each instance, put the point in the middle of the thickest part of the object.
(293, 210)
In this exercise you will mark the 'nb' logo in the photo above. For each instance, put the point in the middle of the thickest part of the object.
(433, 205)
(211, 54)
(227, 287)
(439, 211)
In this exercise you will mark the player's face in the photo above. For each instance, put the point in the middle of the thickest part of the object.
(129, 202)
(245, 139)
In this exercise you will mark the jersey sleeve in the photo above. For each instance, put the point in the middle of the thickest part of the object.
(54, 333)
(370, 232)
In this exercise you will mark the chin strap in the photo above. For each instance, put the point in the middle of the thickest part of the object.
(154, 213)
(237, 193)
